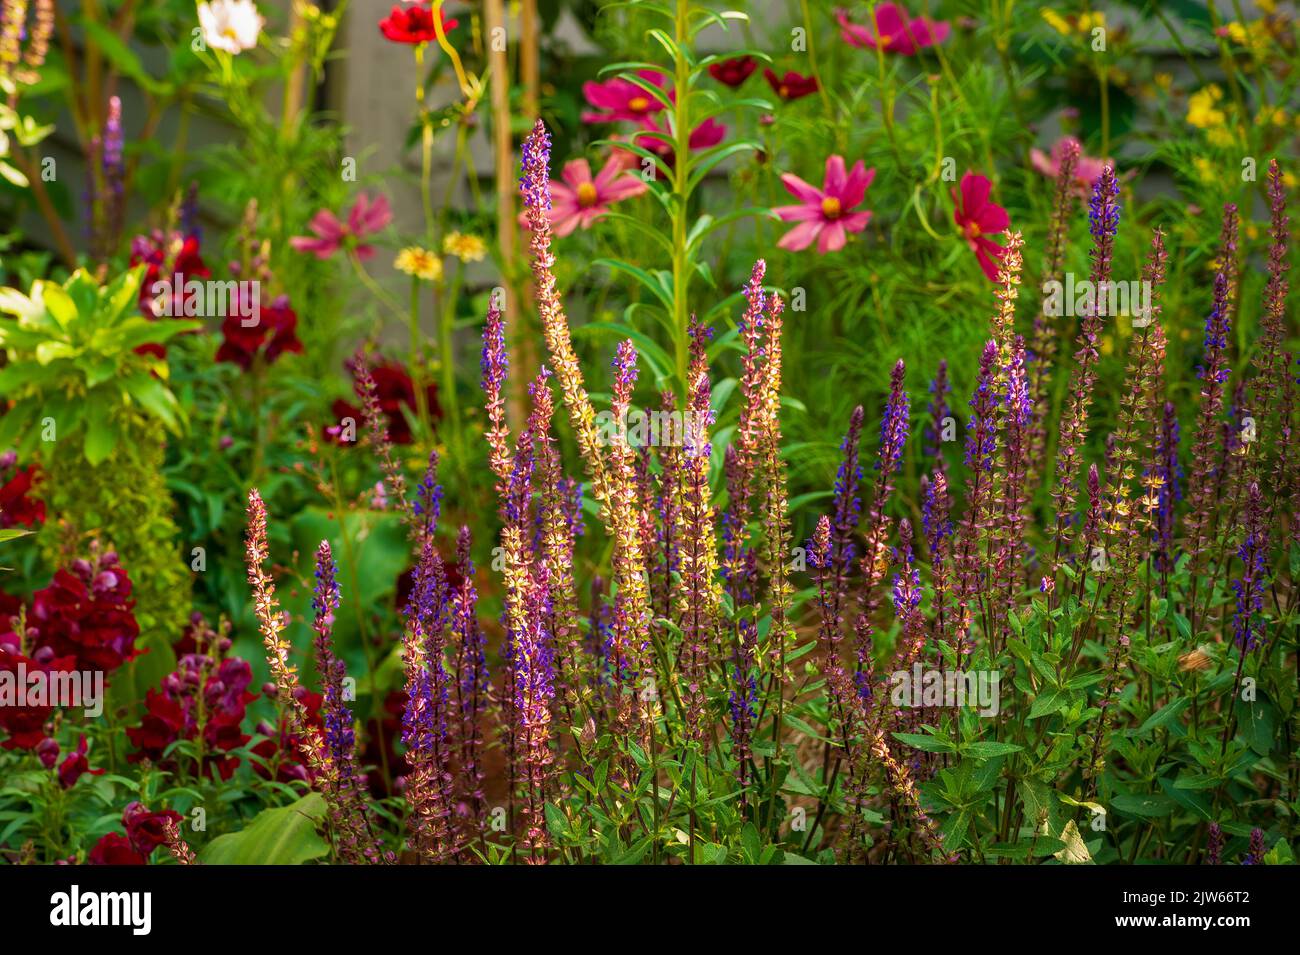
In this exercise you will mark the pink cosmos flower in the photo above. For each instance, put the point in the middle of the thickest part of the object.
(579, 200)
(894, 32)
(825, 214)
(978, 218)
(365, 219)
(1086, 171)
(708, 134)
(620, 99)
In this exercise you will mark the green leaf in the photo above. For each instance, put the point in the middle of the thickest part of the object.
(1151, 806)
(1256, 724)
(101, 434)
(285, 836)
(927, 744)
(990, 749)
(1162, 717)
(1052, 701)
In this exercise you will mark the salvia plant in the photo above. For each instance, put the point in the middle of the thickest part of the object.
(984, 683)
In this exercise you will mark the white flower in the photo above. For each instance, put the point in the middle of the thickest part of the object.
(230, 25)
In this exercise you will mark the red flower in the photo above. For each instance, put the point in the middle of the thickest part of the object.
(977, 218)
(25, 724)
(166, 258)
(792, 86)
(75, 765)
(87, 614)
(173, 713)
(147, 830)
(15, 506)
(393, 388)
(413, 25)
(114, 849)
(733, 72)
(274, 333)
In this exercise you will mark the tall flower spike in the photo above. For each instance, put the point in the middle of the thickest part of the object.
(373, 416)
(1213, 372)
(1103, 223)
(698, 594)
(472, 689)
(981, 446)
(356, 841)
(744, 446)
(939, 413)
(1247, 627)
(289, 691)
(613, 482)
(495, 365)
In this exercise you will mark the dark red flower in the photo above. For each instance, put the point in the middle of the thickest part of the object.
(25, 723)
(114, 849)
(15, 505)
(173, 713)
(393, 388)
(275, 332)
(792, 86)
(147, 830)
(413, 25)
(75, 765)
(86, 614)
(165, 258)
(733, 72)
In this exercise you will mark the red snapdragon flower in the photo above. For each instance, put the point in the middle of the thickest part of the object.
(733, 72)
(113, 848)
(165, 257)
(977, 218)
(172, 713)
(25, 725)
(620, 99)
(792, 86)
(75, 765)
(16, 506)
(893, 31)
(275, 333)
(413, 25)
(146, 830)
(87, 613)
(393, 388)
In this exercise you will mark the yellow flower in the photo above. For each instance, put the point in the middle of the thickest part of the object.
(1164, 81)
(1272, 114)
(1237, 33)
(1220, 136)
(1201, 108)
(1091, 21)
(420, 263)
(1266, 6)
(1205, 169)
(1056, 21)
(467, 248)
(1288, 180)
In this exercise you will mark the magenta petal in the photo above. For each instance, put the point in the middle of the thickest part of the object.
(836, 177)
(800, 237)
(801, 213)
(832, 238)
(801, 190)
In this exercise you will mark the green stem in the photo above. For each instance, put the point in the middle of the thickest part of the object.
(681, 194)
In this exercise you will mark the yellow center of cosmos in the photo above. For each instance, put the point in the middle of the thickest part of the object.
(587, 195)
(972, 230)
(638, 104)
(831, 207)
